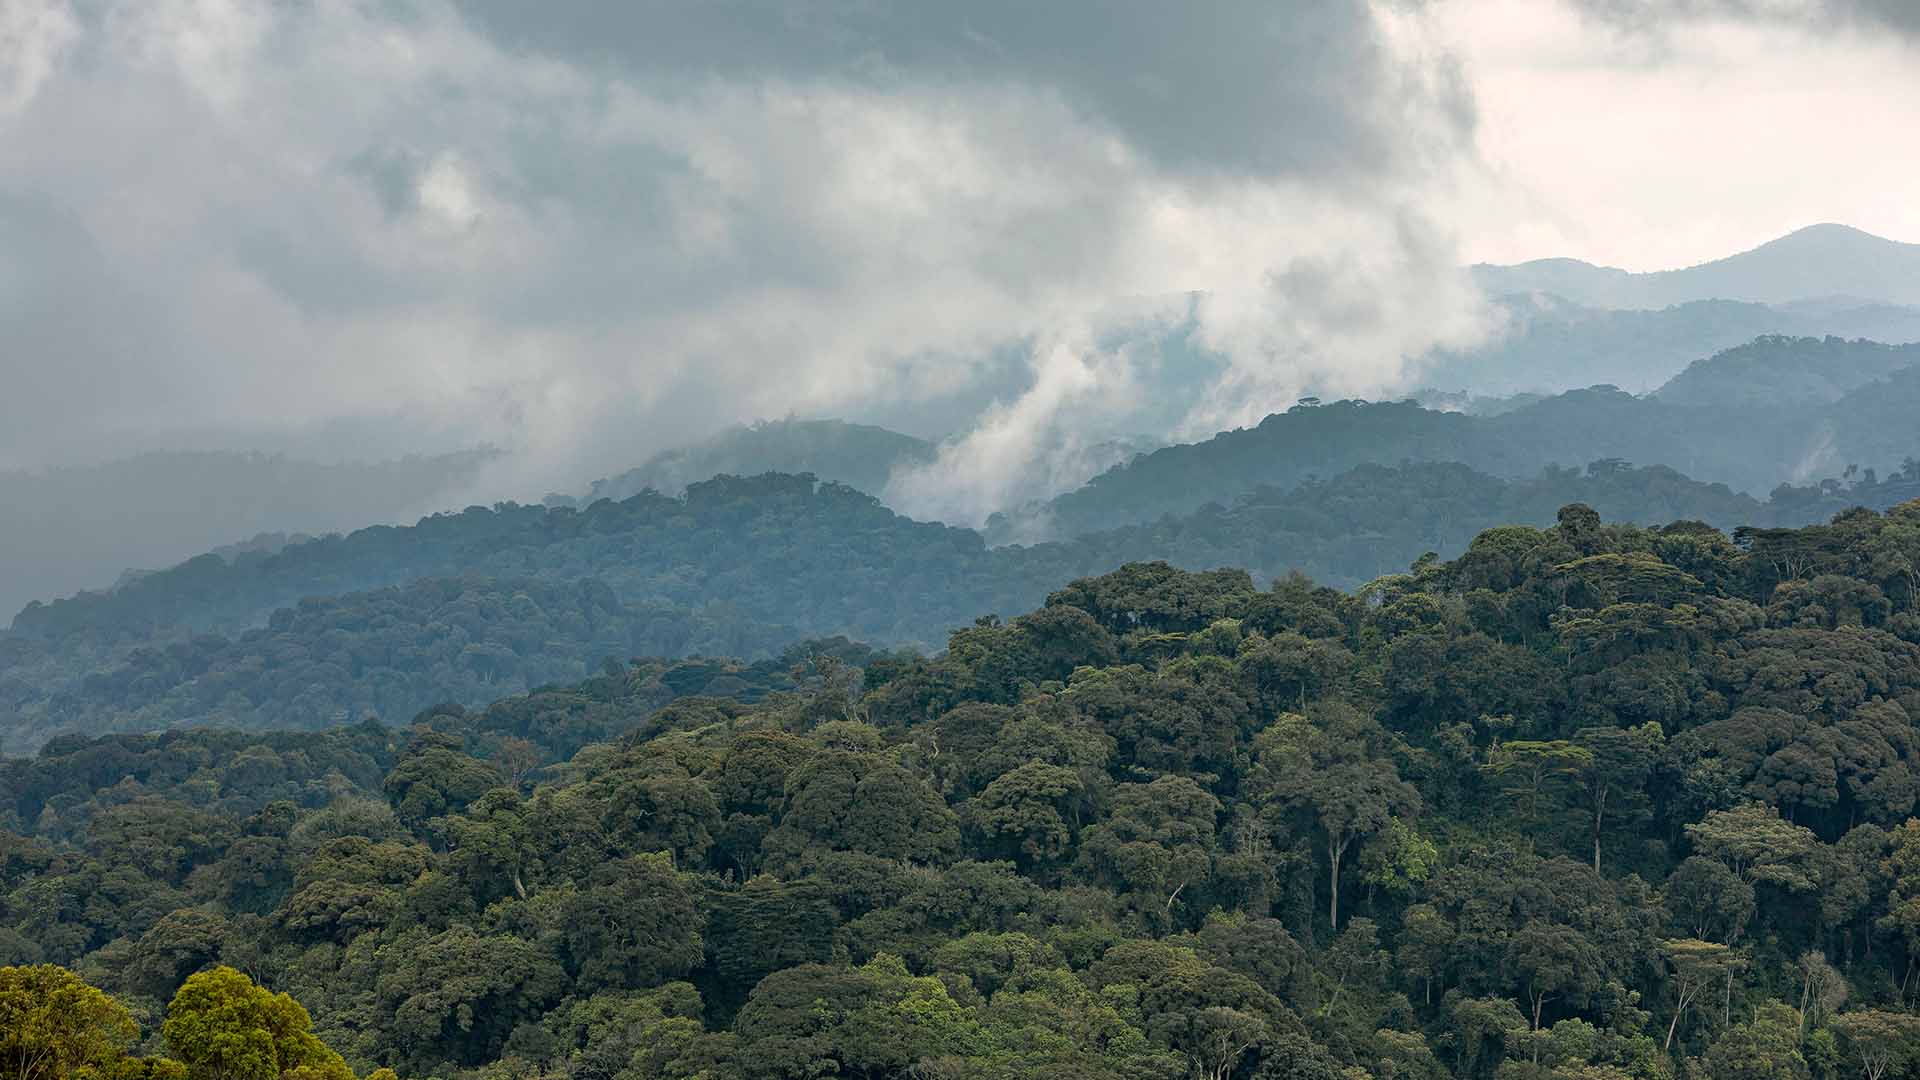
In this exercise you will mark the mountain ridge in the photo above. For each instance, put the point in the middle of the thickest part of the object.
(1816, 262)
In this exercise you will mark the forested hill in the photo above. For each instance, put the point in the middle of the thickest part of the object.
(1590, 802)
(78, 527)
(737, 567)
(649, 546)
(1550, 344)
(1746, 437)
(1786, 373)
(858, 455)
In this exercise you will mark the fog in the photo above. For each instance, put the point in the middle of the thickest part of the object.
(587, 232)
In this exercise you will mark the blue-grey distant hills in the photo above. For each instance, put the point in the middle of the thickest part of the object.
(1551, 344)
(1816, 262)
(862, 456)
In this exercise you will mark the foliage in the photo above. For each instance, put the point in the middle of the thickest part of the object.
(1591, 800)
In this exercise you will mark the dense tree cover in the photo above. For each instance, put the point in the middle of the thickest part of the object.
(1773, 372)
(1589, 801)
(1872, 422)
(1748, 441)
(390, 652)
(77, 527)
(219, 1026)
(860, 456)
(650, 548)
(766, 561)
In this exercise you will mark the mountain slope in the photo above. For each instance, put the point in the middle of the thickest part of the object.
(1785, 373)
(1168, 825)
(1714, 428)
(79, 527)
(1552, 344)
(1817, 261)
(858, 455)
(737, 567)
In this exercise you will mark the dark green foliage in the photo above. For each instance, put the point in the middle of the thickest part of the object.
(858, 455)
(79, 527)
(737, 567)
(1591, 801)
(1786, 373)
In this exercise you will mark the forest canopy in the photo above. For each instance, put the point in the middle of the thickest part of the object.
(1588, 801)
(471, 606)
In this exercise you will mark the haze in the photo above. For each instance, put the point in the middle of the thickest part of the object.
(356, 232)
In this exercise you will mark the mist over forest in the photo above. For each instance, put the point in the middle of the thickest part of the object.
(1349, 539)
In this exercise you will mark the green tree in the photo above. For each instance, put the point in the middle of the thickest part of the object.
(1758, 846)
(1767, 1047)
(1531, 769)
(1879, 1041)
(1332, 764)
(1695, 967)
(53, 1025)
(635, 924)
(1613, 776)
(1156, 844)
(223, 1027)
(435, 779)
(1552, 961)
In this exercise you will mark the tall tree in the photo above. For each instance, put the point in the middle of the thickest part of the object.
(1333, 765)
(1613, 776)
(1879, 1041)
(223, 1027)
(53, 1025)
(1695, 966)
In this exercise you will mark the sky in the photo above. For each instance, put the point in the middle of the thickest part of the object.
(586, 232)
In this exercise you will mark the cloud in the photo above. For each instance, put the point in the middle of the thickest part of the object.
(33, 36)
(587, 231)
(1899, 16)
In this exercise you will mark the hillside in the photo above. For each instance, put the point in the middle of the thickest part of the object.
(1552, 344)
(857, 455)
(1812, 263)
(1589, 801)
(78, 528)
(736, 567)
(1786, 374)
(1876, 422)
(1721, 423)
(714, 542)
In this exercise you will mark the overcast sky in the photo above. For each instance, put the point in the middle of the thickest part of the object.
(586, 231)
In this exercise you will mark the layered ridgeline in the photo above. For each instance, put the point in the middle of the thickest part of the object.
(492, 601)
(78, 527)
(1832, 263)
(1775, 409)
(858, 455)
(1590, 801)
(1549, 344)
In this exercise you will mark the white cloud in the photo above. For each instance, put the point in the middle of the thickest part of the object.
(33, 36)
(1671, 133)
(283, 218)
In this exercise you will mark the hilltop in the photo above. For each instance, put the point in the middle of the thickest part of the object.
(1816, 262)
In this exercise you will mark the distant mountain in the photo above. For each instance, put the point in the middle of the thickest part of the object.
(1786, 373)
(1715, 426)
(68, 529)
(1553, 344)
(1875, 426)
(1816, 262)
(858, 455)
(736, 567)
